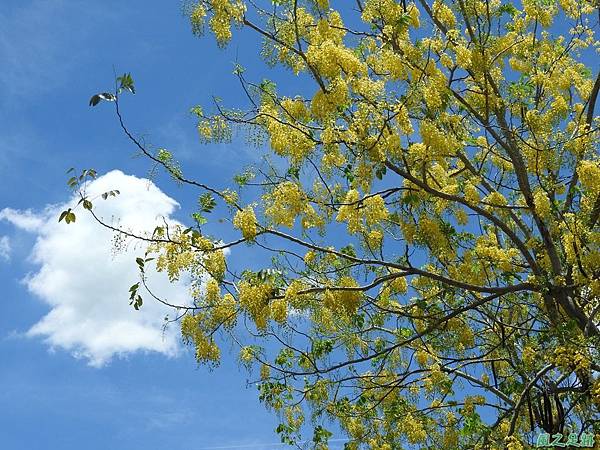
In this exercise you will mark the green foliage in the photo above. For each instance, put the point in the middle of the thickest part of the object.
(207, 202)
(68, 216)
(135, 298)
(125, 83)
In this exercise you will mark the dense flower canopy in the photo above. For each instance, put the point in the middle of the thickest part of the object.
(430, 221)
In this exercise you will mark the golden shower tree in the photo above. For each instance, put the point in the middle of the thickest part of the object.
(429, 221)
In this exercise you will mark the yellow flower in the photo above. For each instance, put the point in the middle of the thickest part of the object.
(214, 262)
(463, 56)
(495, 199)
(589, 174)
(286, 202)
(413, 428)
(422, 358)
(212, 291)
(246, 354)
(279, 310)
(224, 313)
(444, 14)
(245, 221)
(471, 193)
(542, 203)
(343, 300)
(375, 210)
(349, 212)
(197, 18)
(528, 356)
(595, 391)
(265, 372)
(255, 300)
(513, 443)
(375, 239)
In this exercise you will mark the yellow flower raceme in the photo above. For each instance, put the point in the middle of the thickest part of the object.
(444, 14)
(247, 354)
(331, 58)
(288, 136)
(255, 300)
(245, 221)
(495, 199)
(471, 193)
(529, 356)
(349, 212)
(589, 174)
(225, 311)
(207, 350)
(285, 203)
(374, 210)
(513, 443)
(342, 300)
(326, 104)
(224, 13)
(596, 392)
(197, 16)
(569, 358)
(463, 56)
(542, 204)
(543, 12)
(214, 263)
(413, 428)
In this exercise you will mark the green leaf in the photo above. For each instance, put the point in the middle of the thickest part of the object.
(348, 173)
(348, 250)
(136, 300)
(321, 435)
(197, 111)
(126, 83)
(294, 172)
(207, 202)
(268, 86)
(238, 69)
(68, 215)
(199, 218)
(243, 178)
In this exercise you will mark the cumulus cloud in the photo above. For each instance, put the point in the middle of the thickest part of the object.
(4, 248)
(85, 282)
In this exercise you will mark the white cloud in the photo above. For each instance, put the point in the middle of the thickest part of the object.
(86, 283)
(4, 248)
(25, 220)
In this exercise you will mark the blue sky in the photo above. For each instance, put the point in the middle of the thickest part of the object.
(70, 378)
